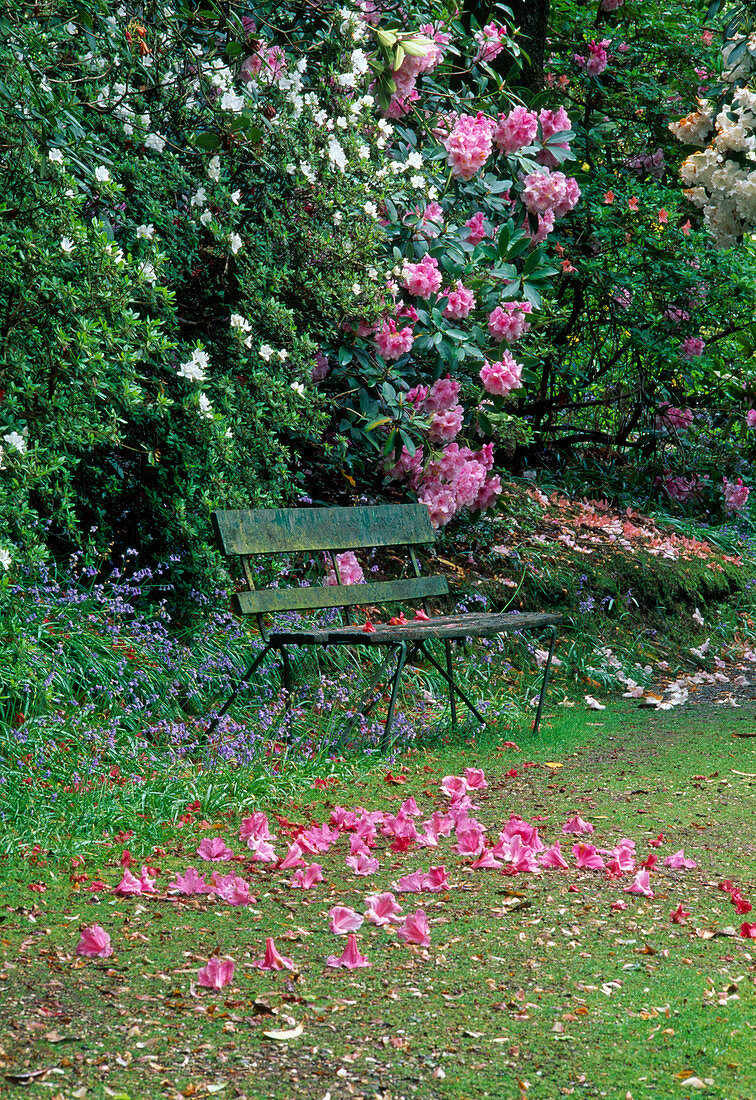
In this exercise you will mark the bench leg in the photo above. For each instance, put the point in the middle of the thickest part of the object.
(286, 675)
(369, 698)
(402, 651)
(239, 685)
(545, 683)
(450, 671)
(450, 681)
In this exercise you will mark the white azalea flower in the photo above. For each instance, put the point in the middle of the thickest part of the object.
(55, 156)
(67, 245)
(266, 351)
(298, 388)
(236, 242)
(16, 441)
(5, 558)
(145, 232)
(213, 169)
(102, 174)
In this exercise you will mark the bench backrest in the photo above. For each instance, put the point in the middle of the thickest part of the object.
(248, 534)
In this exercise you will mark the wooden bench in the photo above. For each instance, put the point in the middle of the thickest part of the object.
(246, 535)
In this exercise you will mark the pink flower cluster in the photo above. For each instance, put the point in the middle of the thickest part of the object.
(490, 41)
(469, 145)
(597, 59)
(479, 228)
(611, 5)
(520, 128)
(501, 377)
(267, 62)
(509, 321)
(680, 488)
(422, 279)
(670, 417)
(392, 344)
(653, 164)
(547, 190)
(430, 223)
(735, 495)
(350, 569)
(692, 347)
(405, 77)
(460, 302)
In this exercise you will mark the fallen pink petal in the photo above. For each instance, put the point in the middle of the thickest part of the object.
(191, 882)
(383, 909)
(129, 886)
(342, 919)
(214, 849)
(678, 861)
(748, 931)
(641, 885)
(415, 929)
(306, 877)
(553, 857)
(217, 972)
(350, 958)
(587, 857)
(577, 825)
(272, 960)
(679, 915)
(362, 864)
(94, 943)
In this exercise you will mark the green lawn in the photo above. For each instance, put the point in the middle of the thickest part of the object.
(532, 986)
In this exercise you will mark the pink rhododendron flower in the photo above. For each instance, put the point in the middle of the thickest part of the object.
(751, 418)
(232, 889)
(678, 861)
(392, 344)
(305, 877)
(679, 915)
(422, 279)
(460, 302)
(509, 321)
(383, 909)
(469, 145)
(611, 5)
(641, 885)
(189, 883)
(618, 905)
(321, 368)
(293, 858)
(576, 825)
(516, 130)
(479, 228)
(415, 929)
(475, 779)
(748, 931)
(735, 495)
(501, 377)
(486, 860)
(350, 957)
(413, 883)
(350, 572)
(553, 122)
(490, 40)
(446, 426)
(362, 865)
(94, 943)
(680, 488)
(597, 59)
(255, 825)
(342, 919)
(587, 858)
(442, 396)
(431, 220)
(214, 849)
(217, 972)
(547, 190)
(552, 857)
(671, 417)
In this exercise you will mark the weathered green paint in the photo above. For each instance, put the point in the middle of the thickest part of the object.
(474, 625)
(282, 530)
(269, 600)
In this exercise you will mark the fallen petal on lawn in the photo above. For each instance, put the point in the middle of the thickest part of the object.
(306, 877)
(593, 704)
(577, 825)
(232, 889)
(415, 929)
(350, 957)
(189, 883)
(128, 886)
(618, 905)
(362, 864)
(272, 960)
(217, 973)
(641, 885)
(678, 861)
(552, 857)
(342, 919)
(476, 779)
(679, 915)
(748, 931)
(383, 909)
(94, 943)
(214, 849)
(587, 857)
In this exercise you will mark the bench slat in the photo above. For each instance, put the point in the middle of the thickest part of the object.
(269, 600)
(281, 530)
(472, 625)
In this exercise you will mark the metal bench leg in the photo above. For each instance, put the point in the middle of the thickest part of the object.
(239, 685)
(450, 670)
(403, 649)
(364, 706)
(545, 683)
(452, 685)
(286, 675)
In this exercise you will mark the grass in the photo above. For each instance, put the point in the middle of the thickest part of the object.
(532, 986)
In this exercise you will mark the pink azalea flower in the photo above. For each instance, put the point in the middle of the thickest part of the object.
(436, 880)
(469, 842)
(415, 929)
(217, 973)
(410, 808)
(232, 889)
(147, 884)
(129, 885)
(475, 779)
(641, 885)
(350, 957)
(255, 825)
(94, 943)
(679, 915)
(214, 849)
(293, 858)
(411, 884)
(521, 857)
(383, 909)
(748, 931)
(343, 919)
(552, 857)
(454, 786)
(617, 905)
(587, 858)
(362, 865)
(262, 850)
(272, 960)
(678, 861)
(486, 860)
(189, 883)
(577, 825)
(306, 877)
